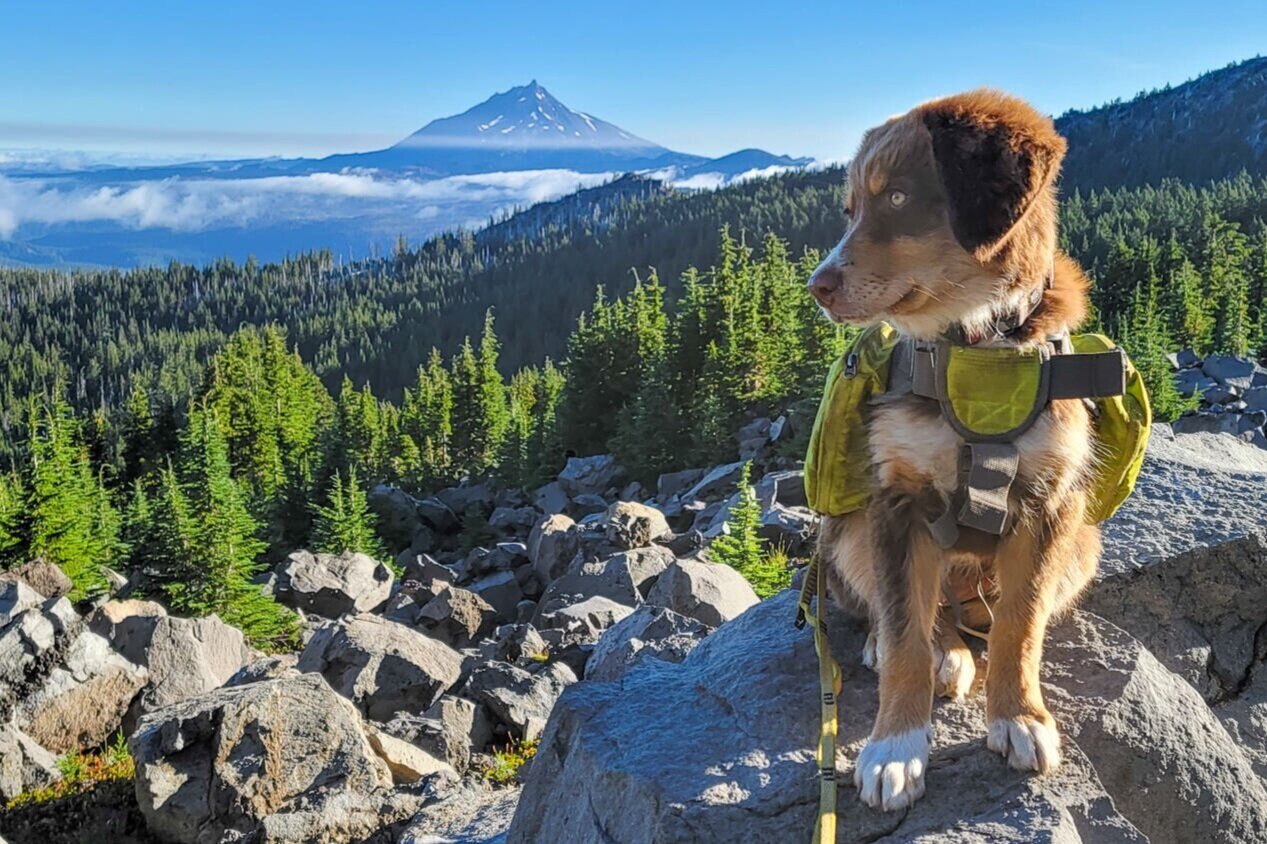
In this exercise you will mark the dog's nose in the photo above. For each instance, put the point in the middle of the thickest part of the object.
(824, 283)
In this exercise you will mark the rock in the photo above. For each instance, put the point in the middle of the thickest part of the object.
(437, 515)
(513, 642)
(396, 512)
(585, 619)
(513, 520)
(82, 701)
(424, 540)
(423, 569)
(710, 593)
(1191, 382)
(470, 812)
(786, 487)
(1194, 490)
(331, 585)
(463, 498)
(457, 616)
(269, 668)
(189, 656)
(407, 762)
(623, 578)
(1217, 423)
(1186, 359)
(719, 482)
(45, 578)
(789, 528)
(647, 633)
(590, 475)
(381, 666)
(32, 643)
(588, 505)
(24, 764)
(115, 582)
(673, 484)
(1218, 394)
(551, 546)
(519, 699)
(1255, 398)
(278, 760)
(501, 590)
(629, 524)
(406, 603)
(745, 702)
(1230, 371)
(450, 729)
(551, 498)
(16, 597)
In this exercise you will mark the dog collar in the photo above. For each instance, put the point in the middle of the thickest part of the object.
(1005, 326)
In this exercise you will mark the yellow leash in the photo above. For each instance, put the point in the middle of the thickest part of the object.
(813, 587)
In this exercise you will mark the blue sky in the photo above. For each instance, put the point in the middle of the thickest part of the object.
(279, 77)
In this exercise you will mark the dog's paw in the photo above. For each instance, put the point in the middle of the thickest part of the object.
(1027, 743)
(956, 672)
(890, 770)
(871, 652)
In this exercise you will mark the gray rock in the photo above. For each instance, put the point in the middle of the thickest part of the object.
(407, 762)
(1191, 382)
(32, 643)
(1216, 423)
(551, 546)
(451, 729)
(1194, 490)
(590, 475)
(278, 760)
(436, 514)
(16, 597)
(24, 764)
(457, 616)
(513, 521)
(423, 569)
(331, 585)
(396, 512)
(471, 813)
(786, 487)
(1219, 394)
(513, 642)
(189, 656)
(267, 668)
(647, 633)
(588, 506)
(673, 484)
(584, 620)
(710, 593)
(623, 578)
(501, 590)
(719, 482)
(1185, 359)
(744, 702)
(790, 528)
(629, 524)
(424, 540)
(464, 497)
(381, 666)
(1256, 398)
(519, 699)
(551, 498)
(45, 578)
(1230, 371)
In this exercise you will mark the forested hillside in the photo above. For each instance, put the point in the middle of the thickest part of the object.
(1207, 128)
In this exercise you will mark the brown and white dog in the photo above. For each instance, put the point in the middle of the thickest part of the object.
(953, 228)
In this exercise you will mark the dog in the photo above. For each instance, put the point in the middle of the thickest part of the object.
(952, 217)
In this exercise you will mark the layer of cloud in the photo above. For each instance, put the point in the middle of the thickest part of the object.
(192, 205)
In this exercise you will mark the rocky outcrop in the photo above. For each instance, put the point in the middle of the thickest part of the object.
(1232, 395)
(710, 593)
(330, 585)
(279, 760)
(744, 702)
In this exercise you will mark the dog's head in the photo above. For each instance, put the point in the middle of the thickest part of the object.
(952, 216)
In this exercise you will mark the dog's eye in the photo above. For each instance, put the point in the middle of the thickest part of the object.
(897, 198)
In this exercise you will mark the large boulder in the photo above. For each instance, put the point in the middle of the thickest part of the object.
(719, 482)
(33, 639)
(24, 764)
(522, 700)
(647, 633)
(552, 544)
(278, 760)
(457, 617)
(590, 475)
(745, 703)
(330, 585)
(1195, 490)
(189, 656)
(381, 666)
(396, 514)
(710, 593)
(629, 524)
(452, 729)
(45, 578)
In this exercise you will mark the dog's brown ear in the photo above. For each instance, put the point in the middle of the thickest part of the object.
(996, 157)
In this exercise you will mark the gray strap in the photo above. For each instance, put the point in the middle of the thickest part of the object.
(900, 367)
(990, 475)
(1092, 375)
(944, 528)
(924, 374)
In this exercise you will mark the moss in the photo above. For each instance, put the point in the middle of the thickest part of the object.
(508, 760)
(81, 772)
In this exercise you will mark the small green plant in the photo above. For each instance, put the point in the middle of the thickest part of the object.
(743, 549)
(508, 760)
(82, 772)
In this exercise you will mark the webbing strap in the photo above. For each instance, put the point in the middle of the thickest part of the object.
(1088, 375)
(991, 472)
(814, 587)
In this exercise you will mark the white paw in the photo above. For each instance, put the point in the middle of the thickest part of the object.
(1027, 744)
(956, 672)
(890, 770)
(871, 652)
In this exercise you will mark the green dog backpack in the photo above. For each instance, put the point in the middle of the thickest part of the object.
(990, 396)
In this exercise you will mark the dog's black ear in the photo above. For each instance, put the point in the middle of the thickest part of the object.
(995, 156)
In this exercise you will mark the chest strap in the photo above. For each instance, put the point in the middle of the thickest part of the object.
(988, 464)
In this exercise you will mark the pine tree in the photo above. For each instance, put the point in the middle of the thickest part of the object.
(346, 523)
(742, 547)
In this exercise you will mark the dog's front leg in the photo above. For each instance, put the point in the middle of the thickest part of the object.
(890, 769)
(1033, 567)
